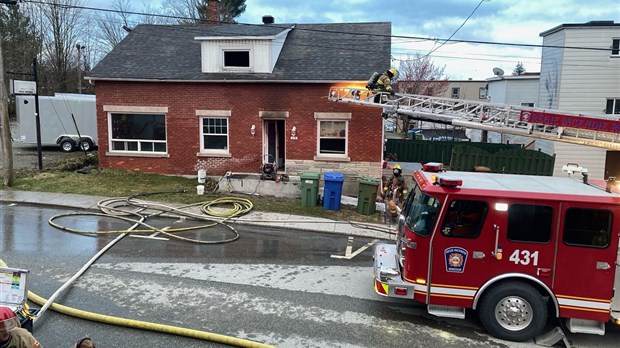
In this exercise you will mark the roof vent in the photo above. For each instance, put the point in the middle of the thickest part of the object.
(268, 19)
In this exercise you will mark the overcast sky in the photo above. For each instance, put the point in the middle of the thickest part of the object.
(511, 21)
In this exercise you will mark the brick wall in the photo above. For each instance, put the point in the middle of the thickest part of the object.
(245, 101)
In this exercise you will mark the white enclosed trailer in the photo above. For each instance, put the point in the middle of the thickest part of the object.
(57, 125)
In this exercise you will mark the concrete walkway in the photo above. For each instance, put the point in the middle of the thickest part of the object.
(298, 222)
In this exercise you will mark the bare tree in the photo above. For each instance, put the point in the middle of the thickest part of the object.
(113, 26)
(64, 22)
(192, 11)
(419, 75)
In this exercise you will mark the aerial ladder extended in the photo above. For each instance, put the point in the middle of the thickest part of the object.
(556, 125)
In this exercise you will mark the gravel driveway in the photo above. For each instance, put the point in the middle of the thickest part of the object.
(25, 156)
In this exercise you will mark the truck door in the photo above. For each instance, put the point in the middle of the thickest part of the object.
(460, 251)
(480, 239)
(586, 256)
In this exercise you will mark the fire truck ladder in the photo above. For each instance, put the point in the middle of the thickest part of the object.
(552, 125)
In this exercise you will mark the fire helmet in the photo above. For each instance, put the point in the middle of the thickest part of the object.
(394, 73)
(397, 170)
(8, 320)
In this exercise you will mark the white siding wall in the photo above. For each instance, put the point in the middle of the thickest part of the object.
(589, 77)
(550, 73)
(213, 56)
(585, 79)
(497, 91)
(522, 91)
(588, 157)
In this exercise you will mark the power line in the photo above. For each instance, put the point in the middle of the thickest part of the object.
(482, 42)
(454, 33)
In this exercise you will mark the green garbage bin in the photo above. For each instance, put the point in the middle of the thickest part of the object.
(309, 189)
(367, 195)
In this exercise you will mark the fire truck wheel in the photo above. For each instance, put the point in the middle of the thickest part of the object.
(513, 311)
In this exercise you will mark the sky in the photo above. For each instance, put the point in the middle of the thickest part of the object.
(422, 26)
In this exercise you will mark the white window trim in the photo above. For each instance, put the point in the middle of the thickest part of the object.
(214, 114)
(248, 49)
(613, 105)
(332, 116)
(611, 54)
(117, 109)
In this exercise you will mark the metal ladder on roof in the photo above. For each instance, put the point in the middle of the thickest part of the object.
(555, 125)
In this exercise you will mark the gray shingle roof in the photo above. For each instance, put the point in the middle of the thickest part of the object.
(312, 52)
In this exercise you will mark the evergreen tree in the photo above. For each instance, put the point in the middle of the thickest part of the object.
(519, 69)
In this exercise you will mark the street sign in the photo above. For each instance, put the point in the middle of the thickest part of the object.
(23, 87)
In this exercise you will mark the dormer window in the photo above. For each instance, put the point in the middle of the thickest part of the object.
(235, 59)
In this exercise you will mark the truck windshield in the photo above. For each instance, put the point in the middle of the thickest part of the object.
(422, 213)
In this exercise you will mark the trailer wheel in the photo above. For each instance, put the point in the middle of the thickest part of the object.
(513, 311)
(67, 145)
(86, 145)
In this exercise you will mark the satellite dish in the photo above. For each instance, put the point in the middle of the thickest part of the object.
(498, 72)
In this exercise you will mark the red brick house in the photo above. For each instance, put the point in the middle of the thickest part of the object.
(228, 95)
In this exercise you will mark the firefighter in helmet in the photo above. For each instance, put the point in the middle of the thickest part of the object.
(395, 189)
(381, 83)
(11, 334)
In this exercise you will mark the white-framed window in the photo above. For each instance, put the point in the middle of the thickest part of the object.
(137, 132)
(615, 47)
(237, 59)
(613, 106)
(482, 93)
(332, 137)
(214, 133)
(455, 92)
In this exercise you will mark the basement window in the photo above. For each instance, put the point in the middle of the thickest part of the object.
(237, 59)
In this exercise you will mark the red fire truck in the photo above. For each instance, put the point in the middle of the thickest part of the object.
(517, 249)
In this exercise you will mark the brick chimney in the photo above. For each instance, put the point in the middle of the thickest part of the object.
(213, 11)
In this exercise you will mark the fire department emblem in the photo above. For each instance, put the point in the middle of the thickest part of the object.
(456, 258)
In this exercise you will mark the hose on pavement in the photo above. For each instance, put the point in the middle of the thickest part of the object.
(144, 325)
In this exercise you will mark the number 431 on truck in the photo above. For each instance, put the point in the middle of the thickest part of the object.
(516, 249)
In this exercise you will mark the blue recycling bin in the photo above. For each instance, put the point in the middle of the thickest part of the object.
(332, 192)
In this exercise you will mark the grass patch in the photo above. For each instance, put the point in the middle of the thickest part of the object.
(63, 177)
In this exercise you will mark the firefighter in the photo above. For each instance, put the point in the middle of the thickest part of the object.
(395, 187)
(11, 334)
(382, 83)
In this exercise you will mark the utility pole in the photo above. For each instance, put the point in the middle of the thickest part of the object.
(8, 175)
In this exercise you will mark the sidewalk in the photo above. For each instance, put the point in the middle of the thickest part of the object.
(297, 222)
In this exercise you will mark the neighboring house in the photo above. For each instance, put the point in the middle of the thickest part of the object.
(466, 89)
(517, 90)
(233, 96)
(456, 89)
(586, 81)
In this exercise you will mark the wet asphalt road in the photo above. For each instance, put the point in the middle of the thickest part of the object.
(279, 287)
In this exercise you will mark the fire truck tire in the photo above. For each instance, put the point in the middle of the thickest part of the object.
(513, 311)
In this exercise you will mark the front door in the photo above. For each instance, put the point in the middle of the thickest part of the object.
(274, 144)
(587, 251)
